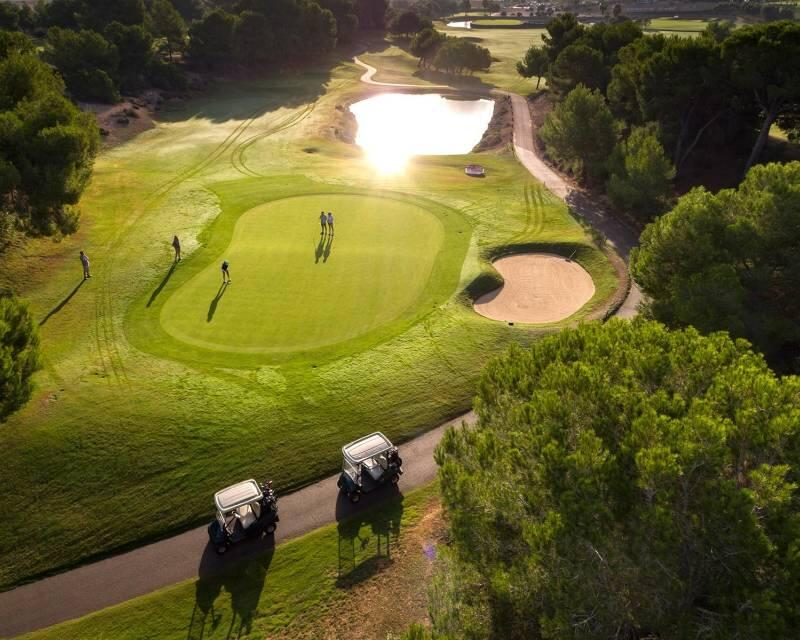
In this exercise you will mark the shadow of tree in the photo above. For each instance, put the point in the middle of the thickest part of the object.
(367, 531)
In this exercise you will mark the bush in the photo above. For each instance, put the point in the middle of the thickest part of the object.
(19, 354)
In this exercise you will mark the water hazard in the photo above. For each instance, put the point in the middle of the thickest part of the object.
(393, 127)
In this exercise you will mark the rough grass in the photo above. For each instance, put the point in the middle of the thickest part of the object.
(304, 580)
(127, 436)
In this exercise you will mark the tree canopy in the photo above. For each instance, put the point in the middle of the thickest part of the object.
(534, 64)
(580, 132)
(730, 261)
(623, 481)
(764, 61)
(640, 180)
(19, 354)
(47, 146)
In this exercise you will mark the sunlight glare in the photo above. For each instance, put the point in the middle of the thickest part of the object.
(393, 127)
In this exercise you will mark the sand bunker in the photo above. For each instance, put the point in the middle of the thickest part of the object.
(539, 288)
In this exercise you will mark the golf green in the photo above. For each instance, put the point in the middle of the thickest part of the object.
(295, 289)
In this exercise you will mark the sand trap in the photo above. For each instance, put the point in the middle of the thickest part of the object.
(539, 288)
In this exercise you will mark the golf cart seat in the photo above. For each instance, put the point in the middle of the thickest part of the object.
(246, 515)
(374, 469)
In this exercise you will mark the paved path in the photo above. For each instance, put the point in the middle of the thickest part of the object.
(619, 236)
(102, 584)
(108, 582)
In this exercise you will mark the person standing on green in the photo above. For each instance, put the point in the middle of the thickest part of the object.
(323, 221)
(226, 276)
(176, 244)
(330, 222)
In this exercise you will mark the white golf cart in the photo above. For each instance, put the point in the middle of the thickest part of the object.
(244, 510)
(369, 463)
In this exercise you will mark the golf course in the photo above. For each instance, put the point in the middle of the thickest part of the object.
(160, 385)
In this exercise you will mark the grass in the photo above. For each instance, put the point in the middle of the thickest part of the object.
(390, 260)
(500, 22)
(676, 26)
(507, 47)
(131, 431)
(304, 579)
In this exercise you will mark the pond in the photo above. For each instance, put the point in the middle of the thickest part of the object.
(393, 127)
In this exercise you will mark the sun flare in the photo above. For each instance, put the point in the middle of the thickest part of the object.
(394, 127)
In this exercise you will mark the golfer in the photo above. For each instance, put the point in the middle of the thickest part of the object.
(226, 276)
(85, 264)
(176, 244)
(330, 222)
(323, 221)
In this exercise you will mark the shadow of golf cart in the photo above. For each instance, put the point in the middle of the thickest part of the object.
(244, 510)
(369, 462)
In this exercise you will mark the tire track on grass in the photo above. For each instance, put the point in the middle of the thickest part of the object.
(238, 153)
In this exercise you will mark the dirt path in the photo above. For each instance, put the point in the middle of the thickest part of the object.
(102, 584)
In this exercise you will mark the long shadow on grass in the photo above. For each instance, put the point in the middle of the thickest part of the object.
(61, 304)
(328, 248)
(162, 284)
(212, 308)
(242, 573)
(367, 533)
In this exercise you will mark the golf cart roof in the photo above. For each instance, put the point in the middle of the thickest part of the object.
(237, 495)
(366, 447)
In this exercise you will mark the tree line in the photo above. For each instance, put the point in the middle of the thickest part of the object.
(639, 480)
(659, 101)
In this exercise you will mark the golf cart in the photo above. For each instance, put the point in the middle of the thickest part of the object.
(369, 463)
(244, 510)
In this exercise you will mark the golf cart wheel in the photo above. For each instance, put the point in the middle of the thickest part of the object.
(221, 548)
(395, 478)
(355, 497)
(270, 529)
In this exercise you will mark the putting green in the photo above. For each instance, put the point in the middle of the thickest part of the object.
(294, 289)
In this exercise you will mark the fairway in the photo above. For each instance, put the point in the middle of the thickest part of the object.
(295, 288)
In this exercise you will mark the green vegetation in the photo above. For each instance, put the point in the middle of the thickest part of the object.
(456, 55)
(19, 354)
(640, 180)
(390, 261)
(728, 261)
(534, 64)
(299, 580)
(765, 62)
(638, 482)
(580, 133)
(677, 26)
(498, 22)
(47, 145)
(122, 412)
(507, 47)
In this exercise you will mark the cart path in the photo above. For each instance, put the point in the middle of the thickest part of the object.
(619, 236)
(102, 584)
